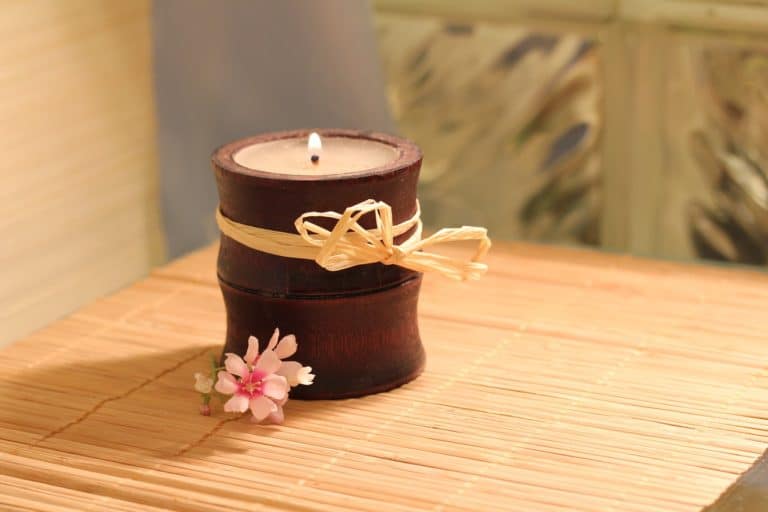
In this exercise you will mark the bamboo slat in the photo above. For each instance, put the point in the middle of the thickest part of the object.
(565, 380)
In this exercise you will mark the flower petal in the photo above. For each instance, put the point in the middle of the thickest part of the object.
(203, 383)
(238, 403)
(305, 376)
(290, 370)
(277, 416)
(253, 350)
(287, 347)
(275, 386)
(226, 384)
(261, 407)
(235, 365)
(268, 362)
(273, 340)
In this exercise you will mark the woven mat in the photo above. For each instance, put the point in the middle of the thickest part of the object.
(565, 380)
(749, 493)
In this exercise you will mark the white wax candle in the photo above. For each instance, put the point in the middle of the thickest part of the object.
(338, 155)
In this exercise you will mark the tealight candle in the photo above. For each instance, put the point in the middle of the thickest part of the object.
(316, 155)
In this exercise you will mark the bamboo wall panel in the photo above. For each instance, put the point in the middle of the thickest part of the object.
(78, 207)
(565, 380)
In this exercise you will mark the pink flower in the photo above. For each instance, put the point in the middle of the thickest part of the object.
(259, 382)
(254, 383)
(293, 371)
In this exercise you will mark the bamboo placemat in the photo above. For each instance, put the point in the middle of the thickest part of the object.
(565, 380)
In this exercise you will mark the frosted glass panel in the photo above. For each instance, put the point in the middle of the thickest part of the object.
(509, 120)
(716, 133)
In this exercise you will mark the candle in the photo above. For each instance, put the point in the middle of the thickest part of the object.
(356, 327)
(335, 155)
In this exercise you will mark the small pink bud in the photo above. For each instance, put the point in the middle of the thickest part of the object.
(205, 410)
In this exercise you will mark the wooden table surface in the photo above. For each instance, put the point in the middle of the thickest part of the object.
(564, 380)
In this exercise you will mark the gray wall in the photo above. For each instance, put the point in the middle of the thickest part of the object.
(226, 70)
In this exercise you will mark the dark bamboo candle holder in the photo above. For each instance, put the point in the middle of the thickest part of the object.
(357, 327)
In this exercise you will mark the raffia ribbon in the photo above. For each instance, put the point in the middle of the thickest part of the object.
(348, 244)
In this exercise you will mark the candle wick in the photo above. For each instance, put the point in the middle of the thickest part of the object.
(315, 158)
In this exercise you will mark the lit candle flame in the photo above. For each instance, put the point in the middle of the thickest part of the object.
(314, 144)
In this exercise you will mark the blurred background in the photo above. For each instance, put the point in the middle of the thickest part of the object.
(638, 126)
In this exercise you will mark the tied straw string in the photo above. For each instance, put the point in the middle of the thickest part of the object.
(349, 244)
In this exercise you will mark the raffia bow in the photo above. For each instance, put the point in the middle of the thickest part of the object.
(348, 244)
